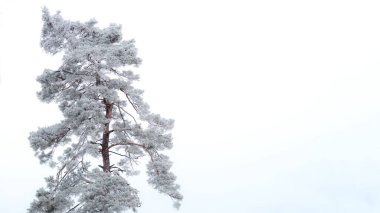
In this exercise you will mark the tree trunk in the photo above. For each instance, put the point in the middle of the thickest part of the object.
(106, 138)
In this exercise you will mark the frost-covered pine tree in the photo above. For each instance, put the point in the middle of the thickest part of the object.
(107, 127)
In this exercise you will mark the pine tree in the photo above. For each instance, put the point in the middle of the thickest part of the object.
(107, 127)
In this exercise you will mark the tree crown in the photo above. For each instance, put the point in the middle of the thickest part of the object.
(105, 118)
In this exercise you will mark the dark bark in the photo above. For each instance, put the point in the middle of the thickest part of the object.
(106, 138)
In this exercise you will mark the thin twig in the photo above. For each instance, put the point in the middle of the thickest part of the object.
(74, 207)
(118, 154)
(130, 101)
(128, 114)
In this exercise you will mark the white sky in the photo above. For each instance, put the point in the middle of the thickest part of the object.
(277, 103)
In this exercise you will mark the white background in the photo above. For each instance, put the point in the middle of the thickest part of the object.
(277, 103)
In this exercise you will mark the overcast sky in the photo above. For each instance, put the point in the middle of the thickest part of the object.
(277, 103)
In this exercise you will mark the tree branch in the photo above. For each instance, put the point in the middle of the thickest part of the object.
(118, 154)
(74, 207)
(126, 144)
(130, 101)
(121, 108)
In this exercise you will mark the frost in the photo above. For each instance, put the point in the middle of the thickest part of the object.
(106, 123)
(107, 193)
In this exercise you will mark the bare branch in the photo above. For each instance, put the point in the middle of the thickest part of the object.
(134, 119)
(126, 144)
(118, 154)
(91, 142)
(118, 168)
(121, 114)
(130, 101)
(74, 207)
